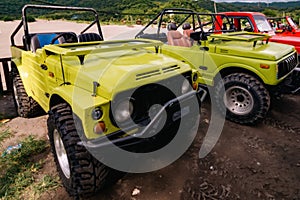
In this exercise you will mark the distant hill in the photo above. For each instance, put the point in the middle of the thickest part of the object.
(118, 9)
(283, 6)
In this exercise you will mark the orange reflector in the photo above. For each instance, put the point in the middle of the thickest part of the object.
(51, 74)
(264, 66)
(195, 86)
(99, 128)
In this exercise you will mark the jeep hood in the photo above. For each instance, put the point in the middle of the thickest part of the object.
(249, 45)
(128, 70)
(114, 66)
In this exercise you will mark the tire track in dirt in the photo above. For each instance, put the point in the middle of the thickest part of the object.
(259, 162)
(282, 125)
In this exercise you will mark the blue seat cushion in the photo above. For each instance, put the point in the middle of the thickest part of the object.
(46, 38)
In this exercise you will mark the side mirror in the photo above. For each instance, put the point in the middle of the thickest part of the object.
(197, 36)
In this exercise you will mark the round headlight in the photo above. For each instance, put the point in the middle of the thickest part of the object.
(123, 111)
(185, 86)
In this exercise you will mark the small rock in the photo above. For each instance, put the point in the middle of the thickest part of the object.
(135, 192)
(258, 194)
(221, 173)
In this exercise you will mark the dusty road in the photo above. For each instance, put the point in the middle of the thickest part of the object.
(260, 162)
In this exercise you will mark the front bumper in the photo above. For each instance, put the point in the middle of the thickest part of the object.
(142, 133)
(296, 80)
(291, 84)
(297, 69)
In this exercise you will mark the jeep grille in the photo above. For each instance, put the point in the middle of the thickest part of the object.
(157, 72)
(147, 74)
(171, 68)
(287, 65)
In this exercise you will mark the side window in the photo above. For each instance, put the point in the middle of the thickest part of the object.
(246, 25)
(242, 24)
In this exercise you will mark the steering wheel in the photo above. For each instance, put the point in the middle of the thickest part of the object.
(69, 37)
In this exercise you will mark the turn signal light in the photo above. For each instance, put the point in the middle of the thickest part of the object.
(99, 128)
(264, 66)
(195, 86)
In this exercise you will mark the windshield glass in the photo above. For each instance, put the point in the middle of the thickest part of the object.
(262, 23)
(292, 23)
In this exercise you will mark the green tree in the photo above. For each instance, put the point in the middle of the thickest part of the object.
(270, 13)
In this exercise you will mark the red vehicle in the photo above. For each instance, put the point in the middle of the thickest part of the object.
(258, 22)
(284, 25)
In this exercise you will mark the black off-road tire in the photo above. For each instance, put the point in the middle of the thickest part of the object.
(26, 106)
(80, 172)
(246, 99)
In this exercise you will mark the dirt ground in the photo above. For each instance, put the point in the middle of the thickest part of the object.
(259, 162)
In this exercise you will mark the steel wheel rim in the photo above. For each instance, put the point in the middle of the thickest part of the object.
(16, 95)
(238, 100)
(61, 154)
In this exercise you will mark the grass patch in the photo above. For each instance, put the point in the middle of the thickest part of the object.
(46, 183)
(18, 170)
(4, 135)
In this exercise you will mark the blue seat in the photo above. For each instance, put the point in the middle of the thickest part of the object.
(46, 39)
(39, 40)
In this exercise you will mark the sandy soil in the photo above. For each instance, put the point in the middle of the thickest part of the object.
(260, 162)
(110, 32)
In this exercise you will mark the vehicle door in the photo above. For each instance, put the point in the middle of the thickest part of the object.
(41, 77)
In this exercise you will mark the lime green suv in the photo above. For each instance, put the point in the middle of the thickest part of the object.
(241, 68)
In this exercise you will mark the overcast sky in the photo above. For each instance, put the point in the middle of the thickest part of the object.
(249, 1)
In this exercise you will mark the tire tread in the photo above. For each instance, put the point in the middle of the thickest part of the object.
(88, 175)
(261, 93)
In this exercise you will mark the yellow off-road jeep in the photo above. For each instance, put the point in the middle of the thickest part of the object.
(98, 94)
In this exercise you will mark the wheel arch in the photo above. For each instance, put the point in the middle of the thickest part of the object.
(78, 99)
(230, 70)
(61, 95)
(56, 99)
(14, 69)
